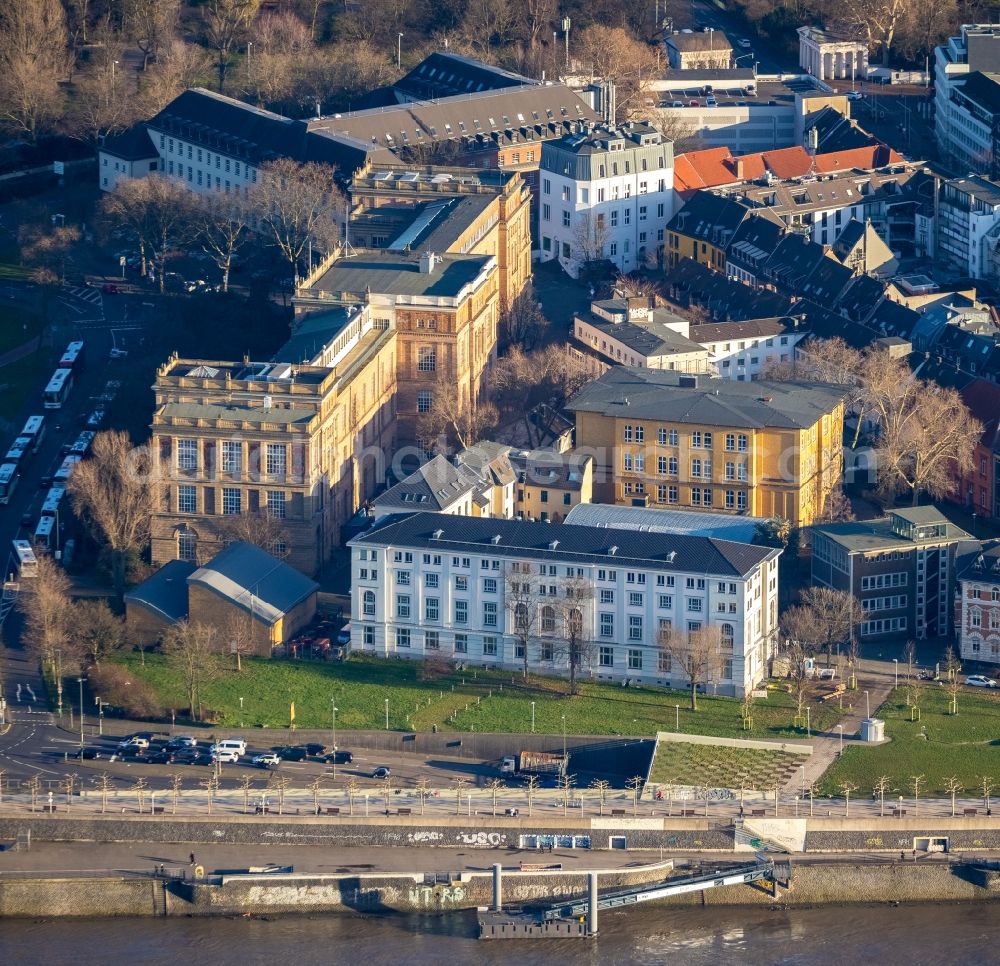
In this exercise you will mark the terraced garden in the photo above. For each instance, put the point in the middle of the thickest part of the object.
(720, 766)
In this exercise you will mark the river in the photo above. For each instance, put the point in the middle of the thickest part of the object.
(914, 935)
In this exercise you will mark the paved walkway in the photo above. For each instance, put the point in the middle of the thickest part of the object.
(826, 745)
(19, 352)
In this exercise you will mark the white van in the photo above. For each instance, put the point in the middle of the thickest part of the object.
(237, 745)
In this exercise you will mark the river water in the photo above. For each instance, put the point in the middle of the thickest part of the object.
(875, 936)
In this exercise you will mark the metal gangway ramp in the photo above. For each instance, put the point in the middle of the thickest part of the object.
(738, 875)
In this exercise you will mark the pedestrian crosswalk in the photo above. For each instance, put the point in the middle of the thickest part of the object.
(92, 295)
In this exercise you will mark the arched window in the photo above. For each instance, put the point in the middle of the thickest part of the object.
(728, 636)
(548, 620)
(369, 603)
(574, 623)
(187, 546)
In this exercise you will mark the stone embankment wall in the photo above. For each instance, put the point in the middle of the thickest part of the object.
(819, 883)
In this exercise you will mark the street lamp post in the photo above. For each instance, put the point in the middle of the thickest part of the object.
(333, 713)
(532, 717)
(677, 718)
(399, 51)
(564, 736)
(565, 27)
(808, 722)
(241, 712)
(80, 681)
(868, 709)
(895, 672)
(840, 728)
(386, 714)
(59, 679)
(100, 715)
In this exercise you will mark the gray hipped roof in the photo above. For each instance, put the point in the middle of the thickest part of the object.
(165, 594)
(252, 579)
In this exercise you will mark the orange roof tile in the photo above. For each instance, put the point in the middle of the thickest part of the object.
(703, 169)
(872, 156)
(788, 162)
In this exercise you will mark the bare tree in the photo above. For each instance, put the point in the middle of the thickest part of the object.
(601, 786)
(222, 223)
(105, 786)
(97, 629)
(877, 21)
(151, 25)
(530, 787)
(615, 55)
(157, 211)
(846, 787)
(453, 421)
(522, 600)
(987, 784)
(295, 204)
(176, 780)
(226, 25)
(45, 603)
(573, 609)
(178, 66)
(916, 781)
(33, 61)
(698, 654)
(590, 232)
(488, 24)
(882, 784)
(634, 784)
(104, 101)
(833, 613)
(799, 632)
(193, 649)
(262, 529)
(240, 635)
(111, 493)
(953, 785)
(522, 323)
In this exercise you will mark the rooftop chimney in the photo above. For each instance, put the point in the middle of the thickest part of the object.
(428, 262)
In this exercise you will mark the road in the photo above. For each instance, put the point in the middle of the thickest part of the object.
(770, 58)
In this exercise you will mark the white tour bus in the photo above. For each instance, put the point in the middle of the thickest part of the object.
(58, 389)
(45, 533)
(34, 429)
(8, 481)
(64, 472)
(53, 501)
(25, 559)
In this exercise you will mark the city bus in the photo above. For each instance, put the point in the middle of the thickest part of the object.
(82, 444)
(53, 501)
(72, 358)
(64, 472)
(25, 559)
(46, 533)
(19, 451)
(58, 389)
(8, 481)
(34, 429)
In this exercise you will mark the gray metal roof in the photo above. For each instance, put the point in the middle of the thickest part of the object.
(648, 338)
(672, 397)
(248, 414)
(165, 593)
(398, 273)
(562, 544)
(249, 577)
(434, 486)
(721, 526)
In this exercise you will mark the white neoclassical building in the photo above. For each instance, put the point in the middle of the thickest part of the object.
(829, 56)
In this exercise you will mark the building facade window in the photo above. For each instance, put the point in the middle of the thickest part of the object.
(232, 501)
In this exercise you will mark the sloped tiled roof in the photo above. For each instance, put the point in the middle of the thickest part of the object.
(565, 544)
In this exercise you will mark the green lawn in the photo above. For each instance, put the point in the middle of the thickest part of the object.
(940, 745)
(19, 380)
(17, 326)
(723, 767)
(485, 701)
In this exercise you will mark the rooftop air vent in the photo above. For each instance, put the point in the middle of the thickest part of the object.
(671, 556)
(437, 534)
(612, 551)
(495, 539)
(553, 544)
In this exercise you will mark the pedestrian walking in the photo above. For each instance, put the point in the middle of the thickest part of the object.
(192, 858)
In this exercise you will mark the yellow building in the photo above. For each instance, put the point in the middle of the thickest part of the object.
(550, 484)
(668, 439)
(300, 445)
(703, 229)
(449, 210)
(442, 311)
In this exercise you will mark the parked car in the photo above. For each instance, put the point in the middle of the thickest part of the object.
(315, 750)
(381, 772)
(339, 758)
(268, 760)
(27, 520)
(711, 102)
(95, 419)
(291, 753)
(980, 681)
(182, 741)
(162, 756)
(226, 756)
(855, 95)
(676, 103)
(135, 741)
(117, 353)
(744, 43)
